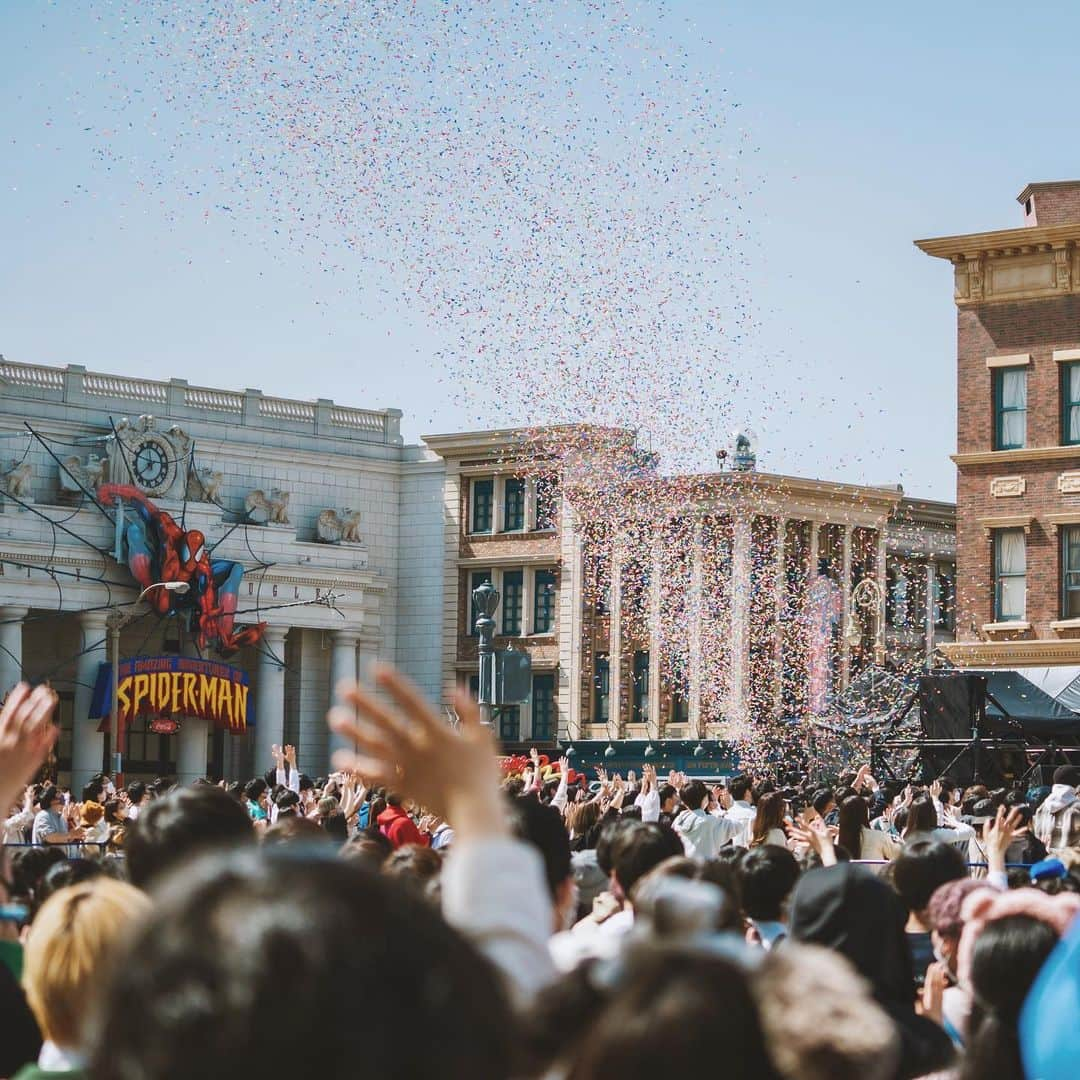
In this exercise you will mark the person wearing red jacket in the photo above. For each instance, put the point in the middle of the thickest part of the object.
(396, 825)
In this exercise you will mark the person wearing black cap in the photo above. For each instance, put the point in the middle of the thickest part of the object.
(850, 910)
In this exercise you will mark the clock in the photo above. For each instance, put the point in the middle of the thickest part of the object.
(152, 464)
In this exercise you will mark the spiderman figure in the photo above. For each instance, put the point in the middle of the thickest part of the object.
(159, 550)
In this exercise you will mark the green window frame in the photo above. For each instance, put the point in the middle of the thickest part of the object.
(510, 723)
(546, 505)
(543, 707)
(1070, 572)
(602, 689)
(483, 500)
(544, 602)
(513, 588)
(641, 687)
(1070, 404)
(514, 505)
(476, 579)
(1010, 408)
(1010, 575)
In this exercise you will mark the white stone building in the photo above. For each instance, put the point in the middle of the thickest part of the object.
(57, 585)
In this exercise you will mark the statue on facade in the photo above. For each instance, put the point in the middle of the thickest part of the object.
(78, 477)
(339, 528)
(18, 480)
(274, 508)
(203, 484)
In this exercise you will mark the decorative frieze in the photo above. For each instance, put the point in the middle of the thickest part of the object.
(1005, 487)
(1069, 483)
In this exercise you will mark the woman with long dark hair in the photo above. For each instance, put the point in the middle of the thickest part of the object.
(769, 821)
(858, 839)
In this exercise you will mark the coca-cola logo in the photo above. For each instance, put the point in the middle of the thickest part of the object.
(164, 725)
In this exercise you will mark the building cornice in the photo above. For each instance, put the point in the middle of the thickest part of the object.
(1006, 457)
(503, 440)
(1012, 241)
(1011, 653)
(1031, 263)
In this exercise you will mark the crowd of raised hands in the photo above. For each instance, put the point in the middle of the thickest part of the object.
(546, 925)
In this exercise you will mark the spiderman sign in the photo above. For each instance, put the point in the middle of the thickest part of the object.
(157, 549)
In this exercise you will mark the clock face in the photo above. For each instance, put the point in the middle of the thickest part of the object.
(151, 465)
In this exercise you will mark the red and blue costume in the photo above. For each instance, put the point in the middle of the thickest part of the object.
(157, 549)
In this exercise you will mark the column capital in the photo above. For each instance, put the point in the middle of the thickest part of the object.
(345, 637)
(11, 612)
(275, 633)
(97, 619)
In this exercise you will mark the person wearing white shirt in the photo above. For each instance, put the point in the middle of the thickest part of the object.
(704, 834)
(649, 796)
(742, 806)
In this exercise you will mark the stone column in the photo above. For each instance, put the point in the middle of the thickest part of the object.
(696, 612)
(191, 750)
(269, 698)
(570, 628)
(615, 640)
(781, 597)
(845, 585)
(88, 744)
(11, 620)
(342, 666)
(654, 640)
(740, 617)
(931, 576)
(879, 616)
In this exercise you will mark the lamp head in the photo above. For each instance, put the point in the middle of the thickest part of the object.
(485, 599)
(178, 587)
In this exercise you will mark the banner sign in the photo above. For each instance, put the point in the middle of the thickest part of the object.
(174, 686)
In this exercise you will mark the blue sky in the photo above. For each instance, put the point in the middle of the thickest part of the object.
(863, 127)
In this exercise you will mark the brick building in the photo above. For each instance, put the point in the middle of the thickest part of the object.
(1017, 293)
(685, 608)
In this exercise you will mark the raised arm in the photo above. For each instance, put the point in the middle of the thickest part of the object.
(27, 734)
(493, 885)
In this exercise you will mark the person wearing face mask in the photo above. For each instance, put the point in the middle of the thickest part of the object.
(943, 915)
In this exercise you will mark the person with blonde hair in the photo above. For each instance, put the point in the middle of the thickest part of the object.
(70, 943)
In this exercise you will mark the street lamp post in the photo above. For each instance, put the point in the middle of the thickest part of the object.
(485, 600)
(117, 621)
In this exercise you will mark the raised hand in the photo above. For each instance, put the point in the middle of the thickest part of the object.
(999, 833)
(407, 746)
(27, 734)
(815, 835)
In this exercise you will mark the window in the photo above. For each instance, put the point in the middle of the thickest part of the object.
(544, 602)
(945, 599)
(601, 690)
(1070, 572)
(546, 510)
(543, 707)
(641, 687)
(897, 588)
(510, 723)
(513, 587)
(476, 579)
(1010, 408)
(482, 503)
(514, 506)
(680, 709)
(1010, 575)
(1070, 404)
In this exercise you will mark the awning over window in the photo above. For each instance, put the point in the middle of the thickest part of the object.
(1025, 695)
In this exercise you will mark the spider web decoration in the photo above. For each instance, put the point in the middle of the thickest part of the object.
(108, 573)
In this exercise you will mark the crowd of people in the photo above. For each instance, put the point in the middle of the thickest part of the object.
(417, 913)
